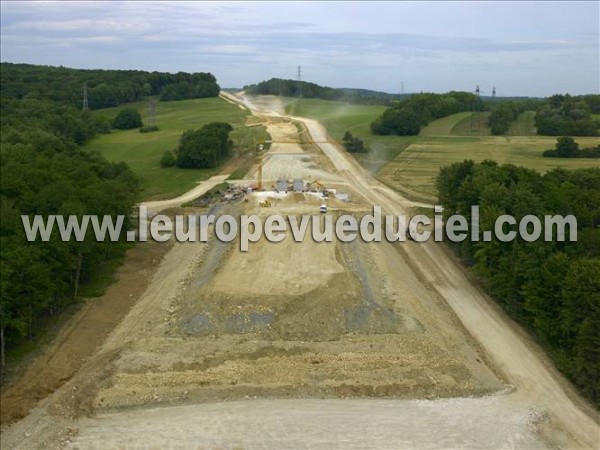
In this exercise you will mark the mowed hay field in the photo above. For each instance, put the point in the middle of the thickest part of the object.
(414, 171)
(143, 151)
(410, 164)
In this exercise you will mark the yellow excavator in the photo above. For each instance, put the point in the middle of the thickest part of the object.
(309, 187)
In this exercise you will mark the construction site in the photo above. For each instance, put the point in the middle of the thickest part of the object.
(218, 342)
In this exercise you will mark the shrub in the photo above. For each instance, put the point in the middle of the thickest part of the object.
(168, 159)
(148, 129)
(127, 119)
(353, 144)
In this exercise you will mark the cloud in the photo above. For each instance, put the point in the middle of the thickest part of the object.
(432, 46)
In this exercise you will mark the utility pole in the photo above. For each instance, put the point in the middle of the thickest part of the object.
(477, 91)
(85, 97)
(299, 81)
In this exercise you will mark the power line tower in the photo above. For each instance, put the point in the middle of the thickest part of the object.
(475, 107)
(86, 106)
(152, 112)
(402, 89)
(299, 81)
(494, 93)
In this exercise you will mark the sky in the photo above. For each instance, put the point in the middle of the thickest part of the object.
(521, 48)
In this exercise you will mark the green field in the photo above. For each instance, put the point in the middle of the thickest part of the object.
(475, 124)
(339, 117)
(524, 125)
(445, 125)
(414, 170)
(411, 163)
(472, 124)
(143, 151)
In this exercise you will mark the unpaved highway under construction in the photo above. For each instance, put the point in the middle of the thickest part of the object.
(316, 345)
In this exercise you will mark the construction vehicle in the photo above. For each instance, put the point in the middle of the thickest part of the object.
(310, 186)
(265, 203)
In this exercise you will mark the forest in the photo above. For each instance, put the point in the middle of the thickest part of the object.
(44, 171)
(305, 89)
(565, 115)
(105, 88)
(552, 288)
(408, 116)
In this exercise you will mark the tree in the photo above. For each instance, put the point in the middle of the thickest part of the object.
(167, 160)
(106, 88)
(353, 144)
(401, 122)
(552, 288)
(44, 171)
(127, 118)
(205, 147)
(409, 115)
(566, 115)
(566, 147)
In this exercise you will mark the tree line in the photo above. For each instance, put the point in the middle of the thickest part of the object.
(105, 88)
(44, 171)
(305, 89)
(408, 116)
(566, 147)
(552, 288)
(565, 115)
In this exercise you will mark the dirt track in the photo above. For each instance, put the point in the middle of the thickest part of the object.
(519, 359)
(311, 320)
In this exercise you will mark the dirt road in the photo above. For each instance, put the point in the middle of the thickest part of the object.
(490, 423)
(156, 206)
(300, 326)
(519, 359)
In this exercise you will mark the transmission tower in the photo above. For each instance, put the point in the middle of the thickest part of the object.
(494, 93)
(86, 106)
(152, 112)
(299, 81)
(473, 108)
(402, 89)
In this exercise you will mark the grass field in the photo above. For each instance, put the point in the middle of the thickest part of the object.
(143, 151)
(414, 170)
(475, 124)
(411, 163)
(445, 125)
(472, 124)
(339, 117)
(524, 125)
